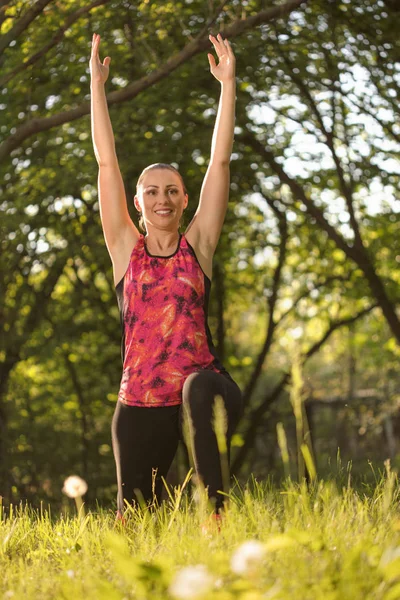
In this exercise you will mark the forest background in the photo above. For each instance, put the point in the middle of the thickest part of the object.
(308, 259)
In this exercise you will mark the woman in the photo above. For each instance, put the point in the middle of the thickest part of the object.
(171, 372)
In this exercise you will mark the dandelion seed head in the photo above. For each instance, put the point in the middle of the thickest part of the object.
(248, 557)
(191, 582)
(75, 486)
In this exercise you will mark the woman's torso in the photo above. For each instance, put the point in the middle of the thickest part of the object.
(163, 303)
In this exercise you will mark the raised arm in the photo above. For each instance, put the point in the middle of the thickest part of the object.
(214, 195)
(119, 231)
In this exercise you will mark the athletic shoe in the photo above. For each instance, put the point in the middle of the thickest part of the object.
(119, 518)
(211, 525)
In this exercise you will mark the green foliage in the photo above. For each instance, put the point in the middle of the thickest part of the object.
(60, 351)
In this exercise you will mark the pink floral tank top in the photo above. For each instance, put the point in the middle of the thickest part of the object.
(163, 305)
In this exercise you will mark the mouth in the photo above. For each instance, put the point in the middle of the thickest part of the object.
(163, 213)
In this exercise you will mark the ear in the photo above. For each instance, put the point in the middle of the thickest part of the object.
(136, 203)
(186, 201)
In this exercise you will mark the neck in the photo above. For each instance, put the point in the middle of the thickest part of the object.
(161, 242)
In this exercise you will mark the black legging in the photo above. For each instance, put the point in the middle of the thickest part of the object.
(147, 438)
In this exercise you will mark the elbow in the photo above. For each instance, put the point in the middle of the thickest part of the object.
(221, 163)
(110, 161)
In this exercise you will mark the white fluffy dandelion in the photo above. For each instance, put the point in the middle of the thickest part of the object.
(75, 486)
(248, 557)
(191, 582)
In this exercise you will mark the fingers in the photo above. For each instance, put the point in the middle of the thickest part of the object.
(95, 59)
(221, 46)
(212, 62)
(218, 44)
(95, 44)
(229, 48)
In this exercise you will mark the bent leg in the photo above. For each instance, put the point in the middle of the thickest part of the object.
(198, 395)
(143, 439)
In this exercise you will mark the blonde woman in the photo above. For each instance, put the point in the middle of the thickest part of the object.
(162, 280)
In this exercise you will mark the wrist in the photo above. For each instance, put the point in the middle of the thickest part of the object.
(96, 84)
(229, 83)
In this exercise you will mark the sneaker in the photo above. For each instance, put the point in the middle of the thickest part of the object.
(119, 518)
(211, 525)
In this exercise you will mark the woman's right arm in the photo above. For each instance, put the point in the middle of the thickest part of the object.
(119, 232)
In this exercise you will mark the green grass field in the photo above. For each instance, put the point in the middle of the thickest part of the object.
(323, 541)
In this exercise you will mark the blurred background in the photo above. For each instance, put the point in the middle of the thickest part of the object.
(308, 260)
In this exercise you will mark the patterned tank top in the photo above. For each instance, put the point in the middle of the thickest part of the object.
(163, 306)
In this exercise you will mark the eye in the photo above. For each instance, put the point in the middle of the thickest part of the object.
(174, 190)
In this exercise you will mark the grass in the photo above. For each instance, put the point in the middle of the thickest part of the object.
(324, 541)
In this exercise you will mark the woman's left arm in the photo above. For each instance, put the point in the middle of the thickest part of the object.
(214, 195)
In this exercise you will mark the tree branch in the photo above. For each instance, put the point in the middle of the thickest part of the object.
(55, 39)
(298, 192)
(256, 416)
(283, 229)
(22, 24)
(132, 90)
(359, 254)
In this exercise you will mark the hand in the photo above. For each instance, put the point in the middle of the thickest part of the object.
(99, 72)
(225, 70)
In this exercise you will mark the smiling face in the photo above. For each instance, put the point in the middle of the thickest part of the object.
(161, 190)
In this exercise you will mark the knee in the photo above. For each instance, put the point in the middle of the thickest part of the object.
(200, 387)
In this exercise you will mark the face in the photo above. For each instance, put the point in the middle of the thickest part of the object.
(161, 189)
